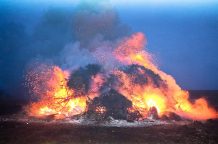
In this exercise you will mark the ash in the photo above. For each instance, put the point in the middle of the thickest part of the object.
(84, 121)
(18, 129)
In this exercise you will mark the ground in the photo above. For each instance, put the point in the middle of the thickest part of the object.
(33, 132)
(12, 132)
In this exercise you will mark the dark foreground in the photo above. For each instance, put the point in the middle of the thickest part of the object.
(13, 132)
(56, 133)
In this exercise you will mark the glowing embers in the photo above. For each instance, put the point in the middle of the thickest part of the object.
(156, 101)
(54, 96)
(153, 87)
(198, 110)
(133, 89)
(46, 111)
(146, 100)
(100, 109)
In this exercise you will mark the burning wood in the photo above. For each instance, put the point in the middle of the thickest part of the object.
(115, 105)
(133, 89)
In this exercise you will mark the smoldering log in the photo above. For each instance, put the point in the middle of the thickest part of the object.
(141, 75)
(152, 113)
(116, 106)
(171, 116)
(80, 79)
(112, 82)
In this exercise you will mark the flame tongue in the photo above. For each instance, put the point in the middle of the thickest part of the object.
(58, 99)
(150, 91)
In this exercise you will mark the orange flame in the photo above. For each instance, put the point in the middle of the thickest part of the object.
(173, 98)
(100, 109)
(58, 99)
(55, 98)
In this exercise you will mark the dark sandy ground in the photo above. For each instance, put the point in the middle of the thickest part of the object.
(21, 132)
(66, 133)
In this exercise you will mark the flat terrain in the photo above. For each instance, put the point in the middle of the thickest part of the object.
(18, 132)
(56, 133)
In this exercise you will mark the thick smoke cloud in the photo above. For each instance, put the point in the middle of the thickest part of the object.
(96, 29)
(12, 40)
(66, 36)
(89, 23)
(52, 33)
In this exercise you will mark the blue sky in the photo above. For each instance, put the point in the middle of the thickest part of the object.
(122, 1)
(183, 35)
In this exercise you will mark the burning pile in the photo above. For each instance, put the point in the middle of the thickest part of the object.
(132, 88)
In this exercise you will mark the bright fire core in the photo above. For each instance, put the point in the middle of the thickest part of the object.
(54, 97)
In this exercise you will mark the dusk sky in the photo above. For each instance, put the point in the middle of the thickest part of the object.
(182, 35)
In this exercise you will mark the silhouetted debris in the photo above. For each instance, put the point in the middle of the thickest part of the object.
(171, 116)
(152, 113)
(133, 116)
(111, 82)
(212, 121)
(141, 75)
(80, 79)
(115, 105)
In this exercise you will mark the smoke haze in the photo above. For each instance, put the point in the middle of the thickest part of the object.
(71, 37)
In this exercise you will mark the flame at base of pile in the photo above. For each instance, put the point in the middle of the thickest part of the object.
(134, 90)
(54, 97)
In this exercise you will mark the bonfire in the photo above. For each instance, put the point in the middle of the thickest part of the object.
(134, 88)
